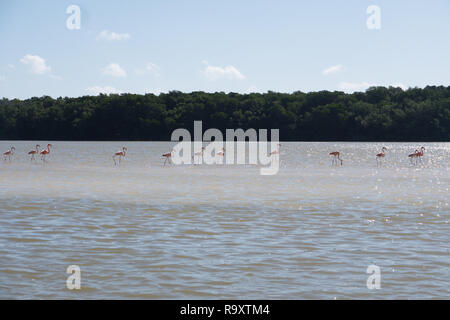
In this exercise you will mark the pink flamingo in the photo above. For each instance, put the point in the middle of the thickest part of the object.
(417, 155)
(45, 152)
(168, 156)
(413, 155)
(198, 155)
(119, 154)
(420, 154)
(34, 152)
(336, 157)
(381, 154)
(222, 152)
(9, 153)
(276, 151)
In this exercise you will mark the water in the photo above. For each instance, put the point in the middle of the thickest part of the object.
(141, 230)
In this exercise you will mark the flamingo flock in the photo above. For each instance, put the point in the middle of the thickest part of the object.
(415, 157)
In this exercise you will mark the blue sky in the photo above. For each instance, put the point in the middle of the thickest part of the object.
(239, 46)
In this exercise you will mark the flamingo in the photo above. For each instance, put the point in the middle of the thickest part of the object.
(419, 154)
(416, 155)
(119, 154)
(9, 153)
(198, 155)
(413, 155)
(276, 151)
(381, 154)
(336, 157)
(167, 156)
(221, 153)
(34, 152)
(45, 152)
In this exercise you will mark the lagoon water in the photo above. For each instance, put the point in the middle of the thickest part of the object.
(144, 231)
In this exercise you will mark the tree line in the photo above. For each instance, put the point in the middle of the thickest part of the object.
(378, 114)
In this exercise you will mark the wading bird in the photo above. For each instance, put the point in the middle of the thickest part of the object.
(9, 153)
(381, 155)
(34, 152)
(198, 155)
(222, 152)
(276, 151)
(413, 156)
(419, 154)
(416, 155)
(168, 157)
(336, 157)
(45, 152)
(119, 154)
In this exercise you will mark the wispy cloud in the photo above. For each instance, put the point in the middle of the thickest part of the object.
(150, 68)
(229, 72)
(114, 70)
(113, 36)
(2, 78)
(36, 63)
(96, 90)
(333, 69)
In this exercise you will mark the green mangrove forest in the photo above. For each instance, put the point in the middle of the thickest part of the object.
(378, 114)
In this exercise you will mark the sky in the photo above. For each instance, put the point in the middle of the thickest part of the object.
(230, 46)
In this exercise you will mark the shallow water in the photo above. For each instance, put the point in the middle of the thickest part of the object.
(141, 230)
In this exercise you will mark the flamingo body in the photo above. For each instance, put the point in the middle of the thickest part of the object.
(336, 156)
(9, 153)
(119, 154)
(34, 152)
(45, 152)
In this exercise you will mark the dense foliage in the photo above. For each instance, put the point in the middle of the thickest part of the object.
(383, 114)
